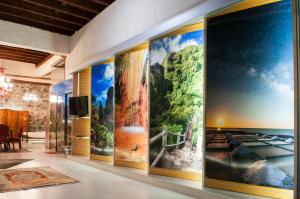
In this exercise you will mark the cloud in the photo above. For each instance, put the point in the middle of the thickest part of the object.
(173, 44)
(157, 56)
(187, 43)
(283, 88)
(108, 75)
(102, 96)
(109, 71)
(168, 44)
(252, 72)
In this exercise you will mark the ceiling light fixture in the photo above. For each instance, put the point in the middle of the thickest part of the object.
(29, 97)
(5, 85)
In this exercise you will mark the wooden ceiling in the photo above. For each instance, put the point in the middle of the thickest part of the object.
(60, 16)
(23, 55)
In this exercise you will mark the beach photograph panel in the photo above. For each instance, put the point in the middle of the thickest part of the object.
(102, 109)
(176, 101)
(131, 107)
(250, 96)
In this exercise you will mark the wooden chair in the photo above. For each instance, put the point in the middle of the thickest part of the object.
(16, 137)
(4, 136)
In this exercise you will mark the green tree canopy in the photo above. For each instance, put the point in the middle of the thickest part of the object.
(184, 69)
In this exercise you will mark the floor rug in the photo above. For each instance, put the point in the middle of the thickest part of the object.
(7, 163)
(28, 178)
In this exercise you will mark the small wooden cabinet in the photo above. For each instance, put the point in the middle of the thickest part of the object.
(81, 126)
(15, 119)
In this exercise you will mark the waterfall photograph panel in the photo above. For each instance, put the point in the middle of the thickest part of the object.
(250, 100)
(131, 108)
(102, 111)
(176, 103)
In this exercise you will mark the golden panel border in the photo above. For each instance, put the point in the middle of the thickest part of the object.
(101, 158)
(107, 61)
(136, 165)
(143, 46)
(249, 188)
(242, 6)
(176, 173)
(183, 30)
(234, 186)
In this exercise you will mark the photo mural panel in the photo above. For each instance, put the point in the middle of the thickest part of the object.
(131, 108)
(250, 97)
(176, 102)
(102, 117)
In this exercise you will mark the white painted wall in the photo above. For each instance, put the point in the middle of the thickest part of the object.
(48, 66)
(22, 71)
(121, 21)
(18, 35)
(19, 68)
(122, 25)
(57, 75)
(126, 23)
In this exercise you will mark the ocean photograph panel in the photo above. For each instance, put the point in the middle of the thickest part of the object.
(102, 109)
(250, 96)
(131, 107)
(176, 101)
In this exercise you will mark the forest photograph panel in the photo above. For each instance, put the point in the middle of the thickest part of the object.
(131, 107)
(102, 109)
(250, 96)
(176, 101)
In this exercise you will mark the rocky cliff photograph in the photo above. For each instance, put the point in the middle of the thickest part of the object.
(131, 108)
(102, 109)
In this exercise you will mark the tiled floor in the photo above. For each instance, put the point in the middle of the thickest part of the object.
(98, 184)
(94, 183)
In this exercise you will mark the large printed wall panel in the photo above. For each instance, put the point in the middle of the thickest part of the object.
(297, 125)
(250, 101)
(131, 108)
(176, 103)
(102, 111)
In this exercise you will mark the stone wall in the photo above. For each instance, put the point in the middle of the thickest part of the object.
(37, 110)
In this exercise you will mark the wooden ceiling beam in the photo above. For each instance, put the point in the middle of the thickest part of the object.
(20, 56)
(23, 50)
(20, 59)
(23, 55)
(22, 76)
(37, 18)
(104, 2)
(29, 79)
(59, 7)
(59, 16)
(42, 11)
(43, 60)
(38, 55)
(63, 66)
(85, 5)
(20, 53)
(31, 23)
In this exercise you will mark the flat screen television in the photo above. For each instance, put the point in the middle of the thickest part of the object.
(73, 105)
(79, 106)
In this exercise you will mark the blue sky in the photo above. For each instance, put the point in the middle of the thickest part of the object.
(250, 68)
(62, 87)
(102, 80)
(161, 47)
